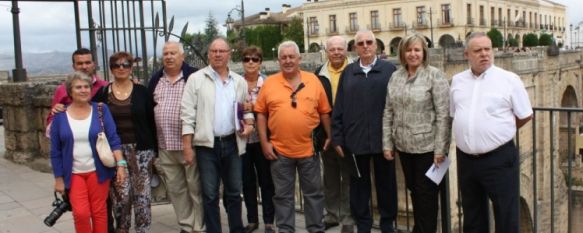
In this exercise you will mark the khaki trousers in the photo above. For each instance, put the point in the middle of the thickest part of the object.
(184, 191)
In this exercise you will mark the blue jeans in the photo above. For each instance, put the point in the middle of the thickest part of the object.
(222, 161)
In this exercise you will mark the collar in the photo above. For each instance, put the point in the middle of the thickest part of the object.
(368, 67)
(483, 74)
(331, 69)
(165, 76)
(217, 77)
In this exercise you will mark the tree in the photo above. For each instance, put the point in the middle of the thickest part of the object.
(545, 39)
(295, 32)
(530, 40)
(265, 37)
(513, 42)
(495, 37)
(211, 30)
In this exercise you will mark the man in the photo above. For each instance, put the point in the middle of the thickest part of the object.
(182, 182)
(82, 61)
(357, 133)
(488, 105)
(336, 168)
(291, 104)
(210, 131)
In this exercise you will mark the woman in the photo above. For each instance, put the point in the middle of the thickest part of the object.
(132, 108)
(255, 166)
(416, 124)
(76, 165)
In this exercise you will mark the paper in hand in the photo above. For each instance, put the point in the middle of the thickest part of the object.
(436, 174)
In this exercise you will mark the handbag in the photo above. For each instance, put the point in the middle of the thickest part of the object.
(102, 145)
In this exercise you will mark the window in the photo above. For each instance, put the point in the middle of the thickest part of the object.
(332, 23)
(492, 16)
(397, 20)
(353, 22)
(313, 28)
(482, 19)
(508, 17)
(469, 13)
(374, 20)
(500, 22)
(421, 15)
(445, 14)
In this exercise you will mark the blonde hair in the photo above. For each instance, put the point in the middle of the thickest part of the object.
(408, 41)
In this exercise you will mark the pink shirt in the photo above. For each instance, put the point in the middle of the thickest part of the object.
(61, 96)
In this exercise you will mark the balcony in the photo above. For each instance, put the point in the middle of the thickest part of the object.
(521, 24)
(313, 33)
(494, 23)
(398, 26)
(420, 24)
(482, 22)
(470, 21)
(351, 29)
(374, 28)
(332, 31)
(445, 23)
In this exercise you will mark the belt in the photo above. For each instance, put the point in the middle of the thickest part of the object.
(225, 138)
(483, 155)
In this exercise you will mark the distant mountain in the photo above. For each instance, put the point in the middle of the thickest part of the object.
(50, 63)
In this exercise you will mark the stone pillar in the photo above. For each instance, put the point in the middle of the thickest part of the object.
(25, 108)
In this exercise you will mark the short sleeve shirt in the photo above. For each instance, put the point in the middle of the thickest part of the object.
(291, 128)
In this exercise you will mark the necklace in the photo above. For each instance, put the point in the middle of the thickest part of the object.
(120, 91)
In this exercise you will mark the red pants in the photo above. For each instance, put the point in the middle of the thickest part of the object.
(88, 198)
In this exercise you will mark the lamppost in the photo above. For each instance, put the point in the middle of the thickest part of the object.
(571, 34)
(273, 53)
(230, 21)
(19, 73)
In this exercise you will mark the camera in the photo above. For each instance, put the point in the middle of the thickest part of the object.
(61, 206)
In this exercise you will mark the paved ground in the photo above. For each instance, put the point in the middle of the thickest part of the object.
(26, 196)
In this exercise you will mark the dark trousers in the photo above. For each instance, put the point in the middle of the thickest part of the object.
(386, 189)
(424, 193)
(493, 176)
(256, 168)
(110, 219)
(222, 162)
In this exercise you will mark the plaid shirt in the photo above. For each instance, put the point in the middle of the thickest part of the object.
(167, 97)
(253, 93)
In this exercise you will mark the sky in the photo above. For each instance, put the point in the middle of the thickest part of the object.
(49, 27)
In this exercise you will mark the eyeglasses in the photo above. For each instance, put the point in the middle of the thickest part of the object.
(294, 102)
(361, 43)
(125, 65)
(254, 59)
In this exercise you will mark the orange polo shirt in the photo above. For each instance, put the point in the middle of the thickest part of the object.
(291, 128)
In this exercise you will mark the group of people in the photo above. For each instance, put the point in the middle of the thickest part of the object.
(251, 132)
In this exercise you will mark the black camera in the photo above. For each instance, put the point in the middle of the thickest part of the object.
(61, 206)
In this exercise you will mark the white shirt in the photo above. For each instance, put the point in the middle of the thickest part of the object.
(224, 123)
(484, 108)
(82, 155)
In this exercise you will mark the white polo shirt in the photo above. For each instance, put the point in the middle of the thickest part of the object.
(484, 108)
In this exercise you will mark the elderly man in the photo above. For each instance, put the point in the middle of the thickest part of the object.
(182, 182)
(336, 169)
(210, 131)
(357, 133)
(488, 105)
(82, 61)
(296, 103)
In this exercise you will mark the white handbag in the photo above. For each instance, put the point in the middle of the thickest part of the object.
(102, 146)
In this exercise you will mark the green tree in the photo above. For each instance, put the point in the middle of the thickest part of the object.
(513, 42)
(211, 30)
(495, 37)
(266, 37)
(545, 39)
(530, 40)
(295, 32)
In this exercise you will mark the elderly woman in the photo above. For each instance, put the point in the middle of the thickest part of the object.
(416, 126)
(76, 165)
(255, 165)
(133, 112)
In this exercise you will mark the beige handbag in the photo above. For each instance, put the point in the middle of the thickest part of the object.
(103, 149)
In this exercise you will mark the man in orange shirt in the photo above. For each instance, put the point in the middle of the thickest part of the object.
(295, 102)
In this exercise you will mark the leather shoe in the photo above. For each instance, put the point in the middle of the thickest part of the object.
(269, 230)
(183, 231)
(347, 229)
(251, 227)
(328, 225)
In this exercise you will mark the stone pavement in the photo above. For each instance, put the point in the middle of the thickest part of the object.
(26, 196)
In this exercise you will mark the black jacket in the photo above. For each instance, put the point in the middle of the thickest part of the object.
(357, 119)
(142, 115)
(187, 70)
(319, 134)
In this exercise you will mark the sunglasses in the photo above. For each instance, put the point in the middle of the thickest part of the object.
(361, 43)
(254, 59)
(125, 65)
(294, 101)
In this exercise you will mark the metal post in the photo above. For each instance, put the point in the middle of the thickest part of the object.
(92, 42)
(19, 73)
(431, 27)
(144, 44)
(77, 24)
(569, 175)
(534, 179)
(571, 35)
(243, 24)
(552, 138)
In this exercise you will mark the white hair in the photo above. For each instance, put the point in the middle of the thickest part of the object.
(336, 38)
(180, 46)
(288, 44)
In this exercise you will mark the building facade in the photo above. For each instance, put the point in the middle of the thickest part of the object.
(444, 23)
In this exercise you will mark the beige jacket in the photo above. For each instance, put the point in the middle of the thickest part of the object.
(416, 117)
(198, 107)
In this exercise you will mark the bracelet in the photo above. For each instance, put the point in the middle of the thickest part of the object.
(122, 163)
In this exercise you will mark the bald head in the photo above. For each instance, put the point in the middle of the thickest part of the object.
(219, 54)
(336, 51)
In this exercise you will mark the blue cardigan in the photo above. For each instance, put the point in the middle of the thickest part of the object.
(62, 144)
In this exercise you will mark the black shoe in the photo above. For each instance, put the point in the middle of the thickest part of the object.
(183, 231)
(269, 230)
(347, 229)
(328, 225)
(251, 227)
